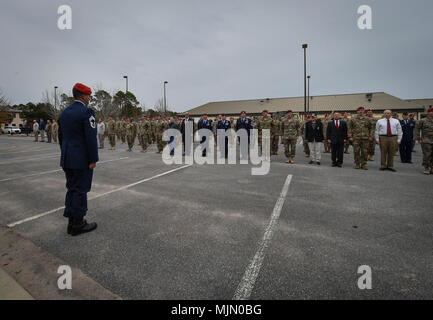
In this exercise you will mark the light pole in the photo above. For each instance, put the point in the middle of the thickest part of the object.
(165, 99)
(126, 78)
(55, 97)
(308, 94)
(305, 46)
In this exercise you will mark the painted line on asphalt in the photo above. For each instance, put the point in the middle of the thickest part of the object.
(246, 286)
(13, 161)
(11, 225)
(51, 171)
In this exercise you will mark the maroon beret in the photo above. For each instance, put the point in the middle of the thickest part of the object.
(288, 111)
(430, 110)
(82, 88)
(360, 108)
(265, 111)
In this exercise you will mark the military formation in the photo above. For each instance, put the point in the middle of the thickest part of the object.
(286, 130)
(147, 130)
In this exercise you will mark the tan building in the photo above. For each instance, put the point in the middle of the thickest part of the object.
(15, 116)
(377, 101)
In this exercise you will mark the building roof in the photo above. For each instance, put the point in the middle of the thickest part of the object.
(324, 103)
(426, 103)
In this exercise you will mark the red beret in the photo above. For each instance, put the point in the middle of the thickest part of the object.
(82, 88)
(430, 110)
(265, 111)
(110, 116)
(308, 116)
(360, 108)
(243, 111)
(288, 111)
(204, 114)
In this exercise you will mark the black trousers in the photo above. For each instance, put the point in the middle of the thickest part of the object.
(337, 149)
(78, 183)
(406, 150)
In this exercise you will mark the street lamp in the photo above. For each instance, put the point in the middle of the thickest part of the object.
(165, 99)
(55, 97)
(305, 46)
(126, 78)
(308, 94)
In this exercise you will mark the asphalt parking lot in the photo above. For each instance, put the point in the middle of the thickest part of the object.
(218, 232)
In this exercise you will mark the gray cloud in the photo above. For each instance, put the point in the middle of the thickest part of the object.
(215, 50)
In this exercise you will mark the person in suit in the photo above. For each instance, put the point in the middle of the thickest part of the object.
(336, 134)
(244, 123)
(225, 125)
(185, 121)
(314, 135)
(205, 123)
(79, 154)
(406, 144)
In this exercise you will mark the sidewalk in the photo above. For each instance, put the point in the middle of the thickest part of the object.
(10, 289)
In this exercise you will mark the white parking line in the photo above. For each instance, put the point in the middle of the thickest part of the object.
(47, 156)
(11, 225)
(51, 171)
(245, 287)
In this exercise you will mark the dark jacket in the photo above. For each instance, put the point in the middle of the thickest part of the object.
(224, 124)
(77, 137)
(334, 134)
(244, 124)
(205, 124)
(314, 134)
(407, 129)
(182, 125)
(42, 126)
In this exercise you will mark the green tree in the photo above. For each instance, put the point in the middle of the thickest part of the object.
(103, 105)
(127, 103)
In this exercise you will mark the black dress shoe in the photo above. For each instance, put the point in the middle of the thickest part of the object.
(382, 169)
(339, 165)
(311, 162)
(69, 225)
(392, 169)
(80, 226)
(334, 164)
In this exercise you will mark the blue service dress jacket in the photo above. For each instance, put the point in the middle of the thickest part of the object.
(77, 137)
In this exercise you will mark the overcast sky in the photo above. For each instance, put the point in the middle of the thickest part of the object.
(216, 50)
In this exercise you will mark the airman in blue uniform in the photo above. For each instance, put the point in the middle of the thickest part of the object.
(79, 154)
(408, 127)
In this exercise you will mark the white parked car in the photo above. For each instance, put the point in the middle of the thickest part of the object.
(11, 130)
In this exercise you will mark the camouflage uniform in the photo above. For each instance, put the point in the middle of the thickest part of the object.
(304, 141)
(118, 129)
(55, 130)
(152, 131)
(275, 136)
(361, 131)
(48, 129)
(130, 130)
(143, 135)
(160, 127)
(424, 132)
(111, 131)
(372, 144)
(347, 143)
(290, 130)
(264, 123)
(326, 144)
(123, 130)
